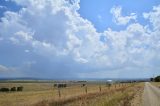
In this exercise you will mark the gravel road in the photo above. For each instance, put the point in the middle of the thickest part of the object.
(151, 95)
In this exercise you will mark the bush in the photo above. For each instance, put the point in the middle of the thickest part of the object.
(13, 89)
(83, 85)
(62, 85)
(151, 79)
(55, 85)
(108, 84)
(20, 88)
(4, 89)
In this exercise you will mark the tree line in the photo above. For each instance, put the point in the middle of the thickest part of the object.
(156, 79)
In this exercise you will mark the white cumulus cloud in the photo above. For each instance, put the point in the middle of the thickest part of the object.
(119, 19)
(55, 40)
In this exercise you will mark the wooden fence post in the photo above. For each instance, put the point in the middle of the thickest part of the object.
(86, 90)
(59, 92)
(100, 88)
(109, 86)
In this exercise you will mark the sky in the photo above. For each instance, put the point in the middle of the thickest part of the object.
(79, 38)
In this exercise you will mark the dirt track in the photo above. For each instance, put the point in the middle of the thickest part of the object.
(151, 95)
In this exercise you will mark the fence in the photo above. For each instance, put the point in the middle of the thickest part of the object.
(79, 90)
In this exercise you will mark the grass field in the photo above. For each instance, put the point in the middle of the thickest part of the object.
(156, 84)
(41, 94)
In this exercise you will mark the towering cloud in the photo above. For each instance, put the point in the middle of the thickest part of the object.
(49, 38)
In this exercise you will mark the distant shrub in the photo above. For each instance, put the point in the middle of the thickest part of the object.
(20, 88)
(83, 85)
(151, 79)
(13, 89)
(55, 85)
(4, 89)
(61, 85)
(108, 84)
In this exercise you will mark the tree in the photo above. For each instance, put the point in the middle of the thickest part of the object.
(151, 79)
(157, 79)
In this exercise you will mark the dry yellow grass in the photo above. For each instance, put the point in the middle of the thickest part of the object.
(34, 93)
(127, 96)
(156, 84)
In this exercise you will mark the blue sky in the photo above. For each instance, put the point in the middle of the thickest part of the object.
(98, 12)
(79, 38)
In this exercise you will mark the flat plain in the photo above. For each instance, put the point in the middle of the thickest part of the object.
(93, 94)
